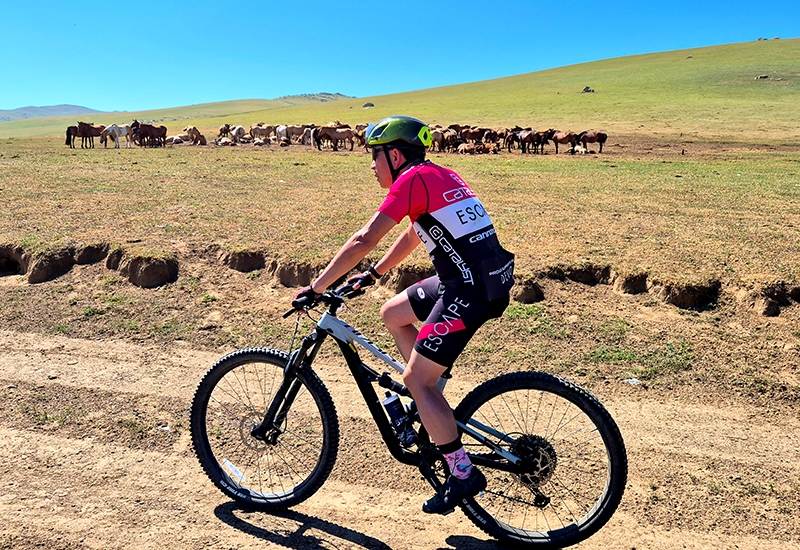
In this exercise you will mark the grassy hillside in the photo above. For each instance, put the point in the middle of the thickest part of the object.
(705, 93)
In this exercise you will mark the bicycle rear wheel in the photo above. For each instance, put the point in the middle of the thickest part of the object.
(231, 401)
(574, 461)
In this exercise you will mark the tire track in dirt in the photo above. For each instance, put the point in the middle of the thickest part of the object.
(65, 489)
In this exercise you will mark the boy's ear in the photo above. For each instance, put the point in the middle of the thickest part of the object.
(396, 156)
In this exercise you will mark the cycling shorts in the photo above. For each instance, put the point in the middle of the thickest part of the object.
(452, 313)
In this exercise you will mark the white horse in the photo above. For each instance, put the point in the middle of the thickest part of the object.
(238, 133)
(116, 132)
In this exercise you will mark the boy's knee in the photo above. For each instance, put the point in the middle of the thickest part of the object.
(423, 374)
(392, 314)
(412, 380)
(385, 312)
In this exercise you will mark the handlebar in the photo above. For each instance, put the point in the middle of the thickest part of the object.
(333, 298)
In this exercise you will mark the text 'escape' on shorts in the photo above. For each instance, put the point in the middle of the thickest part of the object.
(452, 314)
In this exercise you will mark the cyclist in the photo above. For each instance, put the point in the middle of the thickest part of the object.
(473, 277)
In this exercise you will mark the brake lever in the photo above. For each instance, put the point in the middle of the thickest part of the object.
(300, 305)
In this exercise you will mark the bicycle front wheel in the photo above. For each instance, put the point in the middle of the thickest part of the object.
(574, 465)
(231, 401)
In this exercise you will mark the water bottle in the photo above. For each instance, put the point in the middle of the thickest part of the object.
(399, 419)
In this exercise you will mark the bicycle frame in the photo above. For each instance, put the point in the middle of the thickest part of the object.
(347, 337)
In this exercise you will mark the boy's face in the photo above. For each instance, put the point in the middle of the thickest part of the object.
(380, 165)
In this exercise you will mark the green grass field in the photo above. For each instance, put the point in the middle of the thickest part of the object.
(704, 93)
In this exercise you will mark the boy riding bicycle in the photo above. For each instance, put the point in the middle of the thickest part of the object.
(473, 277)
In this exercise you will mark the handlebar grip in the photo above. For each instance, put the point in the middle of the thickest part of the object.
(307, 302)
(299, 305)
(302, 303)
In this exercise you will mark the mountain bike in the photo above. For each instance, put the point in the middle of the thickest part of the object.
(265, 430)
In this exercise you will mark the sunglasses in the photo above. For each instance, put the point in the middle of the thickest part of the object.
(375, 151)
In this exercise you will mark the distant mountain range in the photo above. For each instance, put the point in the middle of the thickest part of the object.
(74, 110)
(37, 112)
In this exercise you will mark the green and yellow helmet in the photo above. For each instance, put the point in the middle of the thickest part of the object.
(399, 128)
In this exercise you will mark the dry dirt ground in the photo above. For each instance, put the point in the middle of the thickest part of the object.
(96, 452)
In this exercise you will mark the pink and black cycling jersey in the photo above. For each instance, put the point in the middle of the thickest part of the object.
(450, 221)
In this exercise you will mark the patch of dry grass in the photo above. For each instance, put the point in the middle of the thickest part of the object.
(729, 214)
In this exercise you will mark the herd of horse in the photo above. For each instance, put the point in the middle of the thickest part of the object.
(450, 139)
(147, 135)
(453, 137)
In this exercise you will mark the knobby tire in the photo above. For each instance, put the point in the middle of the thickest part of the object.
(231, 400)
(574, 455)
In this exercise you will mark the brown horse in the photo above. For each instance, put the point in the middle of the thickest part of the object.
(72, 133)
(458, 128)
(564, 137)
(510, 137)
(437, 137)
(151, 136)
(531, 141)
(87, 132)
(593, 137)
(334, 135)
(472, 134)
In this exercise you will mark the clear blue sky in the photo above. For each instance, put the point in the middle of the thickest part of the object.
(134, 55)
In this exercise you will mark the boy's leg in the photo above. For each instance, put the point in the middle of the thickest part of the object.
(421, 378)
(399, 318)
(465, 480)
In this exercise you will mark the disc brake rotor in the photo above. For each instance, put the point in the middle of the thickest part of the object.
(538, 458)
(246, 426)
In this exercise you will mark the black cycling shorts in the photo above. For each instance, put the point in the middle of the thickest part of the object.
(452, 313)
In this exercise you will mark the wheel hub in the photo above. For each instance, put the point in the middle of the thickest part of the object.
(538, 459)
(246, 427)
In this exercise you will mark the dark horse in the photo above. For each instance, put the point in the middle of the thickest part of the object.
(87, 132)
(135, 131)
(149, 135)
(72, 133)
(592, 137)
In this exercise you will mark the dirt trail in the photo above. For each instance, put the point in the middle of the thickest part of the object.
(91, 477)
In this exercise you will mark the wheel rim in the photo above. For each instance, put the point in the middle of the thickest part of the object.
(566, 470)
(254, 467)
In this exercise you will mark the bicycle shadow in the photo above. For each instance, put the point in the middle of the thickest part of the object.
(464, 542)
(299, 537)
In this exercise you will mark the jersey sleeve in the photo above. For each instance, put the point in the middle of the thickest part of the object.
(406, 197)
(394, 206)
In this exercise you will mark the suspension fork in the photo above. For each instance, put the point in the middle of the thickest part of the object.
(271, 426)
